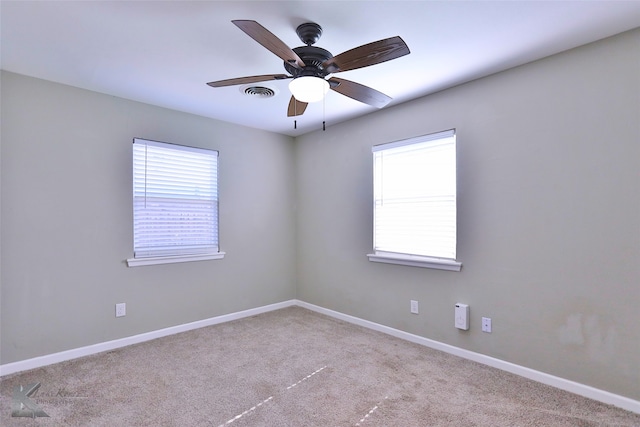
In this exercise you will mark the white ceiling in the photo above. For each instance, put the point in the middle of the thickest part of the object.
(163, 53)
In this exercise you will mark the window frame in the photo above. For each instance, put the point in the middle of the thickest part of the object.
(409, 259)
(154, 256)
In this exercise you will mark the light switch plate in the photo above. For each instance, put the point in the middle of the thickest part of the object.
(414, 306)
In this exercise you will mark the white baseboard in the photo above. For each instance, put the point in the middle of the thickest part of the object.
(541, 377)
(50, 359)
(561, 383)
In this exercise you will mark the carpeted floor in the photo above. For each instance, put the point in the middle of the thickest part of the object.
(292, 367)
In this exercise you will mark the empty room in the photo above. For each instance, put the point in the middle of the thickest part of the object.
(320, 213)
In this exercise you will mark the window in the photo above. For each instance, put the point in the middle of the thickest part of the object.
(415, 202)
(175, 203)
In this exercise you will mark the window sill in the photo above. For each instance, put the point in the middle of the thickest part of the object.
(416, 261)
(137, 262)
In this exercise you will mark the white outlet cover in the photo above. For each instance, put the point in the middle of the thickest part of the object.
(121, 309)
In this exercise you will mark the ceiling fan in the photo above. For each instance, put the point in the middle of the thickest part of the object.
(312, 65)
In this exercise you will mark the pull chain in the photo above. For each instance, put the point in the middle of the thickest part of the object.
(323, 113)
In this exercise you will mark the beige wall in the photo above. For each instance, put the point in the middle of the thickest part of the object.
(67, 220)
(549, 217)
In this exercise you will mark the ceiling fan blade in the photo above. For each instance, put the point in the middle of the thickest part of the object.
(249, 79)
(269, 41)
(368, 54)
(359, 92)
(296, 108)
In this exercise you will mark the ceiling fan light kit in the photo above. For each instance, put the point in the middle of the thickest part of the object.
(309, 88)
(310, 66)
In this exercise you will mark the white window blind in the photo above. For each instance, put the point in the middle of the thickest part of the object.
(175, 200)
(415, 196)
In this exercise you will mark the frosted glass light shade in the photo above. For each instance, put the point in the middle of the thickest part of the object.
(309, 88)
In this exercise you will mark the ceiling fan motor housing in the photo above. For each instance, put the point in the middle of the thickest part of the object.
(313, 58)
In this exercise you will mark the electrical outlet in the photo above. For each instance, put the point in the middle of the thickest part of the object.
(414, 307)
(486, 324)
(121, 309)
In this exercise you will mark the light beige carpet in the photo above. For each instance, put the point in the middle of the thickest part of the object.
(292, 367)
